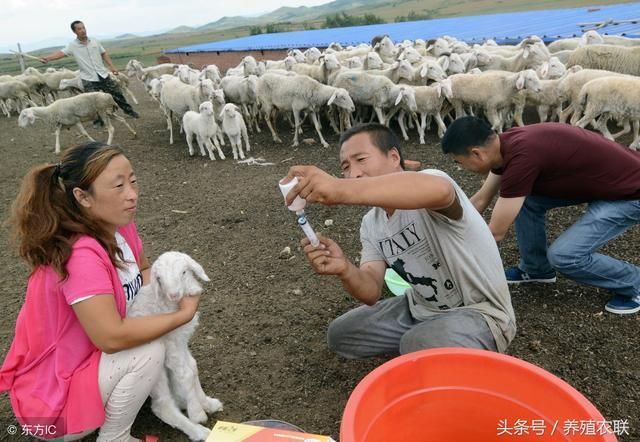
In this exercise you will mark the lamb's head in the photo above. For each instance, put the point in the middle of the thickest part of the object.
(27, 117)
(297, 55)
(218, 97)
(591, 38)
(374, 61)
(354, 62)
(229, 110)
(176, 275)
(206, 108)
(528, 79)
(312, 55)
(411, 55)
(432, 70)
(206, 88)
(341, 98)
(289, 62)
(407, 95)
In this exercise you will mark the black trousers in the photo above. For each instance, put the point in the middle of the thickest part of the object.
(109, 86)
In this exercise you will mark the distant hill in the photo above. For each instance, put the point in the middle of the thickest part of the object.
(292, 14)
(180, 30)
(124, 36)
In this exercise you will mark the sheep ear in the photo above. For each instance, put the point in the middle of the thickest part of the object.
(544, 70)
(399, 97)
(444, 62)
(197, 269)
(438, 87)
(520, 81)
(333, 97)
(525, 52)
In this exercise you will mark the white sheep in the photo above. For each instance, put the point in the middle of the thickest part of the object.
(178, 98)
(243, 92)
(612, 97)
(493, 90)
(298, 94)
(203, 125)
(625, 60)
(376, 91)
(234, 126)
(173, 276)
(75, 84)
(16, 91)
(67, 112)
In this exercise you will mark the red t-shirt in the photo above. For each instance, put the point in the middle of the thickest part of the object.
(562, 161)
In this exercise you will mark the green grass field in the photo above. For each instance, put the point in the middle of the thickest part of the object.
(148, 49)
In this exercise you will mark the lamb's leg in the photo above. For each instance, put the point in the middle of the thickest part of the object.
(123, 121)
(215, 143)
(58, 127)
(543, 113)
(402, 126)
(586, 118)
(189, 137)
(163, 406)
(170, 126)
(201, 144)
(83, 131)
(380, 114)
(626, 129)
(210, 405)
(316, 123)
(110, 129)
(243, 132)
(129, 93)
(494, 119)
(441, 126)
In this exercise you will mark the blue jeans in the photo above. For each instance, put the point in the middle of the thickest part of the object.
(574, 252)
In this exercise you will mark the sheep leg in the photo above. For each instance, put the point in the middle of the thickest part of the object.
(402, 127)
(421, 127)
(4, 109)
(217, 146)
(83, 131)
(210, 405)
(381, 117)
(110, 129)
(130, 94)
(494, 119)
(275, 136)
(170, 126)
(189, 137)
(441, 126)
(316, 123)
(565, 113)
(58, 127)
(243, 130)
(220, 137)
(626, 129)
(635, 145)
(296, 119)
(517, 113)
(164, 407)
(586, 119)
(123, 121)
(201, 144)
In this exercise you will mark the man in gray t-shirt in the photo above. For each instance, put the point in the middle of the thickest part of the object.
(91, 57)
(424, 227)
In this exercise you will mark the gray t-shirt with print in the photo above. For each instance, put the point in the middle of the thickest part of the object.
(450, 264)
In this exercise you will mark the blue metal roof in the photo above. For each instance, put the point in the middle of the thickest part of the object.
(549, 24)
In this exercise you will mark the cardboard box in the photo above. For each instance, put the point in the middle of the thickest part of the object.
(231, 432)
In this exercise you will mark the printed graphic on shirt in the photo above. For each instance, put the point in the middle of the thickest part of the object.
(411, 256)
(130, 275)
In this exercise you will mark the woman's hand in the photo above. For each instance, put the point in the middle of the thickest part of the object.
(188, 305)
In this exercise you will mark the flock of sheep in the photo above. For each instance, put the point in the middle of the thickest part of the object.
(592, 79)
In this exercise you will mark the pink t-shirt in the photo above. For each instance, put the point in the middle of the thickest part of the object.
(51, 370)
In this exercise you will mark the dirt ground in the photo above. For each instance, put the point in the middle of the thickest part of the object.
(261, 343)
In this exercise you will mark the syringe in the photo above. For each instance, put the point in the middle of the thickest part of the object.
(298, 206)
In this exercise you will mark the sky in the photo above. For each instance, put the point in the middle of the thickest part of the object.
(41, 23)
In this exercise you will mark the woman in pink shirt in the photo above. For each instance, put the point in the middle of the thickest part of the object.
(77, 363)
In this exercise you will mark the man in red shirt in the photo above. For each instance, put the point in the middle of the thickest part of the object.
(548, 165)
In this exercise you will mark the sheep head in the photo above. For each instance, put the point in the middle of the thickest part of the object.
(206, 108)
(176, 275)
(27, 117)
(341, 98)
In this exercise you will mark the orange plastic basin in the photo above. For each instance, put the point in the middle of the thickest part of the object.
(467, 395)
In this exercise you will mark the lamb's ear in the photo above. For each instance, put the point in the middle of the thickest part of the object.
(333, 97)
(526, 51)
(444, 62)
(399, 97)
(197, 269)
(544, 69)
(520, 81)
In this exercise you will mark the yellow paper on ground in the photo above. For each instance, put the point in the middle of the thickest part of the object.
(231, 432)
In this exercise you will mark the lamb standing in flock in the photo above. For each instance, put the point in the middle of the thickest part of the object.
(173, 276)
(203, 125)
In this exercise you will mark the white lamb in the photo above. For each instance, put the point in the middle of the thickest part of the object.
(233, 125)
(72, 111)
(173, 276)
(203, 125)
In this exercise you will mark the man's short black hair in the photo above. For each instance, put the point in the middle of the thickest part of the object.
(73, 25)
(380, 135)
(464, 133)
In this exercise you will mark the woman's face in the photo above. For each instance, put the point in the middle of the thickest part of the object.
(114, 194)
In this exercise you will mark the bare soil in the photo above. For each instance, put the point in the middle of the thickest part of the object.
(261, 343)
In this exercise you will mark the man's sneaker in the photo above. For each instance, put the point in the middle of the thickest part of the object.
(623, 305)
(516, 276)
(134, 114)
